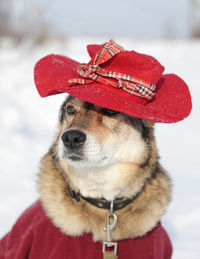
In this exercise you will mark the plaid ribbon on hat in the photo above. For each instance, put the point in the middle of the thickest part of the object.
(94, 72)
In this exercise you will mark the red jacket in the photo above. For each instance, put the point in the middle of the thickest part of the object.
(35, 237)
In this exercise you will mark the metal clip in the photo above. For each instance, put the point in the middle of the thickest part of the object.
(110, 226)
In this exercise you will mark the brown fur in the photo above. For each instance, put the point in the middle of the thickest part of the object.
(147, 177)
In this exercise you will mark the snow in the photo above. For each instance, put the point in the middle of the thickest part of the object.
(28, 125)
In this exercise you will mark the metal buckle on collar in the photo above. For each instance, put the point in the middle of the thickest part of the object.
(109, 228)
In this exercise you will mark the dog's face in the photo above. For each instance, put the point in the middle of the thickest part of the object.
(92, 136)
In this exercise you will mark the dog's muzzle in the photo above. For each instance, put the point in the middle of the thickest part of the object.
(73, 139)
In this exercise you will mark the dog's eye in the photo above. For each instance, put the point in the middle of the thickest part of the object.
(108, 112)
(70, 110)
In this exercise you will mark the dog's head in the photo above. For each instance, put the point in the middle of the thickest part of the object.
(92, 136)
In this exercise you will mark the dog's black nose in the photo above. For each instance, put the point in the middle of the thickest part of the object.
(73, 138)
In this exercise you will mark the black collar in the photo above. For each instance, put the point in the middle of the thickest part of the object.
(118, 203)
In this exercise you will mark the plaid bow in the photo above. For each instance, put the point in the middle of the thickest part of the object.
(94, 72)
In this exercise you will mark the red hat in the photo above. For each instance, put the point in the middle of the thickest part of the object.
(125, 81)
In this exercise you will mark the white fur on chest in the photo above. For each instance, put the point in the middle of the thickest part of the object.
(111, 182)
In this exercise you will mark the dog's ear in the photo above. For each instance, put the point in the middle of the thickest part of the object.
(150, 124)
(62, 111)
(147, 130)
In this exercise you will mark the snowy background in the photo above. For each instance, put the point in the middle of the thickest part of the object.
(28, 124)
(30, 29)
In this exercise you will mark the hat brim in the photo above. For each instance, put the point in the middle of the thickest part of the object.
(171, 103)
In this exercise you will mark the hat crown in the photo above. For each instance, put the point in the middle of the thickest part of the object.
(141, 66)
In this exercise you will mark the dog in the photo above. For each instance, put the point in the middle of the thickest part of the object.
(98, 154)
(100, 182)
